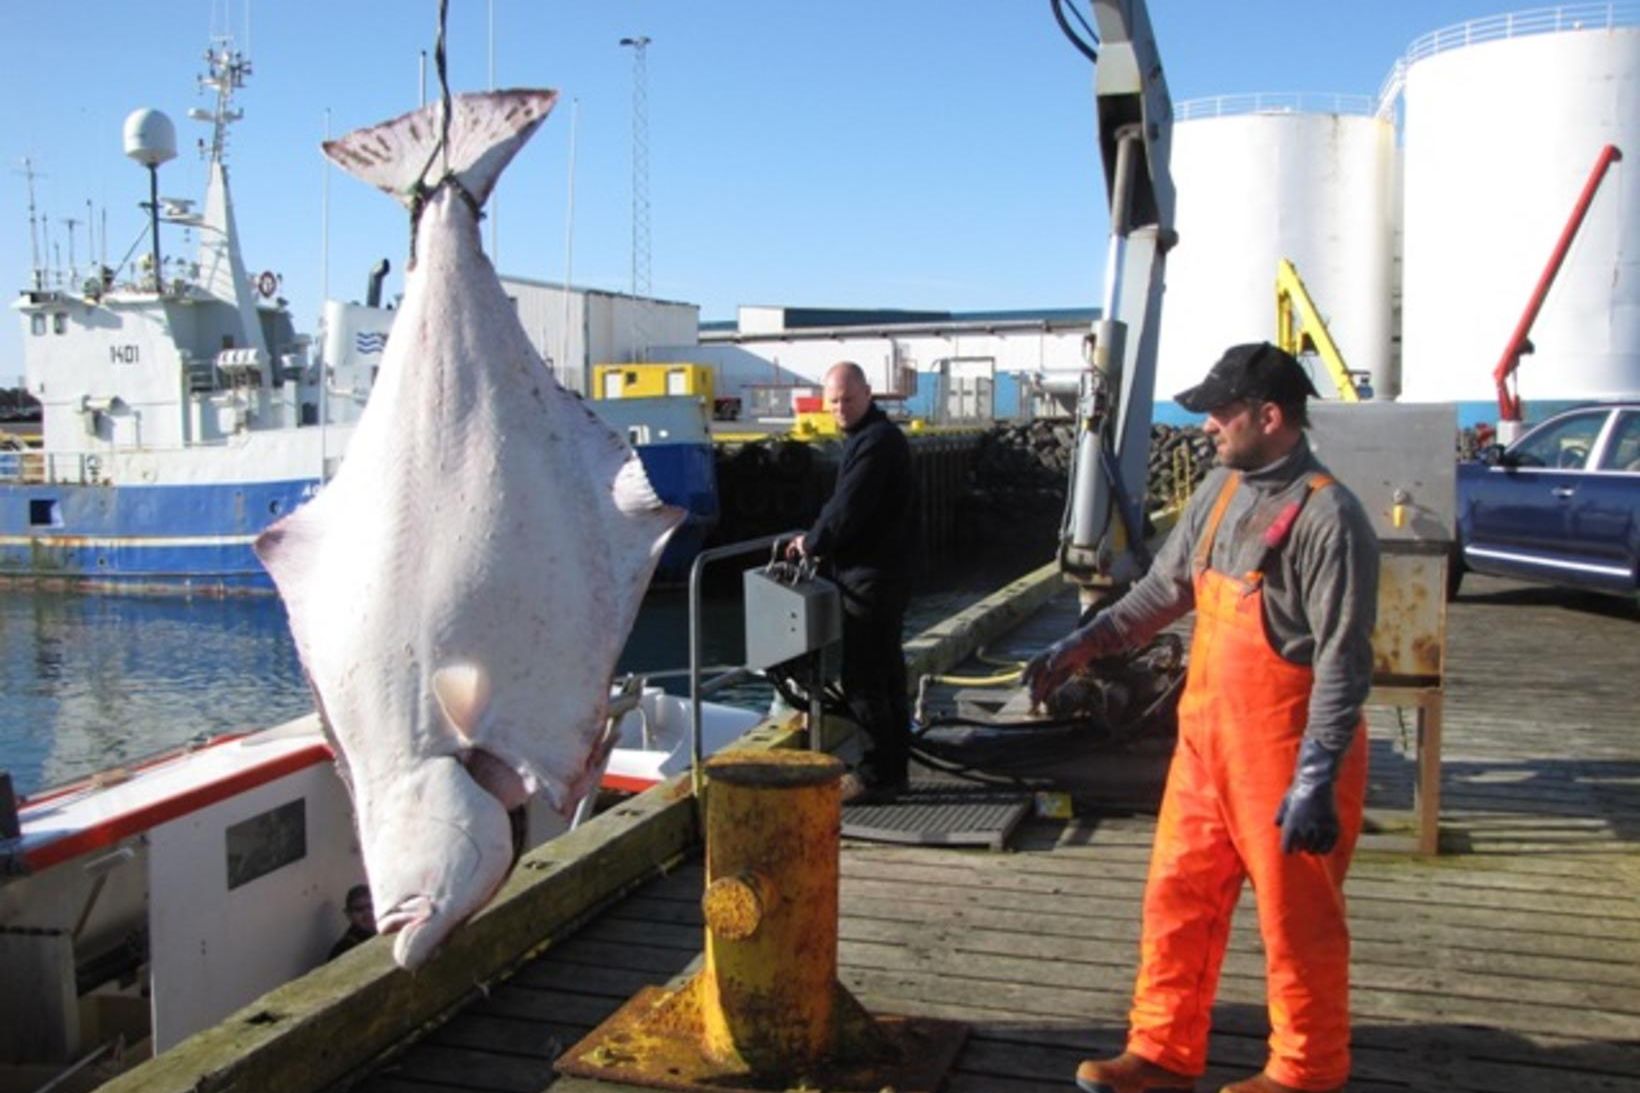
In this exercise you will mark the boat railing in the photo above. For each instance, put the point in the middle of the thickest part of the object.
(47, 467)
(35, 467)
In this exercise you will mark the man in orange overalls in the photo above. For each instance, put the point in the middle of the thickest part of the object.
(1280, 563)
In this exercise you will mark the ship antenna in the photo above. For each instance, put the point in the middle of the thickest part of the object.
(38, 272)
(71, 223)
(226, 69)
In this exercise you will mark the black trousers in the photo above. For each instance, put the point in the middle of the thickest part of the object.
(874, 682)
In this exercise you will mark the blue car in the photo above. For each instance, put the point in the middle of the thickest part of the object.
(1559, 506)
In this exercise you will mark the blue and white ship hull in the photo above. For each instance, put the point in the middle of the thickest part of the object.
(186, 538)
(100, 526)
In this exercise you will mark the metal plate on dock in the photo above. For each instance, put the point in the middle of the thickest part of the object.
(939, 814)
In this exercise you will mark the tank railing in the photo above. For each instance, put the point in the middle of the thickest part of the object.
(1518, 24)
(1275, 102)
(1390, 91)
(1521, 24)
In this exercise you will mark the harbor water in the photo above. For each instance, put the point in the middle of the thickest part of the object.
(92, 682)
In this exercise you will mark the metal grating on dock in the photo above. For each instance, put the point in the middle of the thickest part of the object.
(1511, 962)
(939, 814)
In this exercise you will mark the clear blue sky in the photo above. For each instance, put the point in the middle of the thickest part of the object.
(894, 153)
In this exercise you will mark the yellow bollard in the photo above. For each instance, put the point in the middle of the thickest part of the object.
(772, 824)
(766, 1009)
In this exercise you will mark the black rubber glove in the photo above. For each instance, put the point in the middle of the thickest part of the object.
(1308, 816)
(1046, 672)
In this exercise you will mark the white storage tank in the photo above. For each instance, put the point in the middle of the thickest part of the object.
(1264, 177)
(1504, 118)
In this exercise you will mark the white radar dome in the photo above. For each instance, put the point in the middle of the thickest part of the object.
(150, 138)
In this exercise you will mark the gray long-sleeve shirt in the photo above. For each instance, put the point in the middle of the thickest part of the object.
(1320, 585)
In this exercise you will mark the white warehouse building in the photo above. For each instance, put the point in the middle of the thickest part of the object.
(574, 329)
(934, 364)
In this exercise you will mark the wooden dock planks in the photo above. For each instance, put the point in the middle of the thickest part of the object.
(1511, 962)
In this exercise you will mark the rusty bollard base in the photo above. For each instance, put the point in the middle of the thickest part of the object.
(654, 1040)
(766, 1011)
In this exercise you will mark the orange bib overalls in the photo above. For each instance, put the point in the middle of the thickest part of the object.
(1241, 719)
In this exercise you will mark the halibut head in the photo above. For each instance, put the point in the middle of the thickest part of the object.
(460, 591)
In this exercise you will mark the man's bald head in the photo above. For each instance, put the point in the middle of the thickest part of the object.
(848, 395)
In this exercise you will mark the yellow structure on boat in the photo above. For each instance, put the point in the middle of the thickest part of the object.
(652, 380)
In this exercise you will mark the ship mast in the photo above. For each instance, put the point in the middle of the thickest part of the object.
(222, 268)
(39, 273)
(226, 69)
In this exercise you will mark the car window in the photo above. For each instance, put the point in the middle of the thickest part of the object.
(1564, 443)
(1623, 449)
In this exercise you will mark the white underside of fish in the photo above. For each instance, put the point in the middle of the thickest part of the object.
(460, 592)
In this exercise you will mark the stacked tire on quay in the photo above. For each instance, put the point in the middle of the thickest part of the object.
(993, 491)
(16, 404)
(770, 486)
(1021, 472)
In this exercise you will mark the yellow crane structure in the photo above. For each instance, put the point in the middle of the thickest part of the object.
(1301, 329)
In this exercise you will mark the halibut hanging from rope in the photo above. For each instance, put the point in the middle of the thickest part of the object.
(460, 592)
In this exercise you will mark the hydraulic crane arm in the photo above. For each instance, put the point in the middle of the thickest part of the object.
(1292, 330)
(1101, 543)
(1509, 408)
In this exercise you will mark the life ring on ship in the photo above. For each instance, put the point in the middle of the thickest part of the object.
(267, 284)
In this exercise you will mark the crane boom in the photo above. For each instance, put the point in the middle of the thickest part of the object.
(1292, 296)
(1509, 408)
(1101, 542)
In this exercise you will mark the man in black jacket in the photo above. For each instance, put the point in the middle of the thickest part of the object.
(866, 531)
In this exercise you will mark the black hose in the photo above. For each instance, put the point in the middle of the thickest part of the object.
(967, 773)
(1076, 39)
(950, 759)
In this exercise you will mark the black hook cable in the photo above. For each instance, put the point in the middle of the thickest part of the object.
(418, 197)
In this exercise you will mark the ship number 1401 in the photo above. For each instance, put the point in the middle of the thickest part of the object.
(123, 354)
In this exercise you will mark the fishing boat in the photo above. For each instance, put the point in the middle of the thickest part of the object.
(142, 904)
(183, 412)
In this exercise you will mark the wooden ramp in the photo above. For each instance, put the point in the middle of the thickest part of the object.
(1509, 963)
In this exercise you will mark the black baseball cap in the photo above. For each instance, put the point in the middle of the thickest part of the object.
(1257, 370)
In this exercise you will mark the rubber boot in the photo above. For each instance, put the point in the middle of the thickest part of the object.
(1263, 1083)
(1129, 1073)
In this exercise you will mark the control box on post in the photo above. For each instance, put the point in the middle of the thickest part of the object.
(790, 613)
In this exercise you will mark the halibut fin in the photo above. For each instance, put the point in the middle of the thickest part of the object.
(287, 549)
(463, 693)
(402, 156)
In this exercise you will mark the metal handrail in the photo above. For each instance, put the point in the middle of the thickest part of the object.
(698, 690)
(42, 467)
(1274, 102)
(1608, 15)
(85, 467)
(1521, 24)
